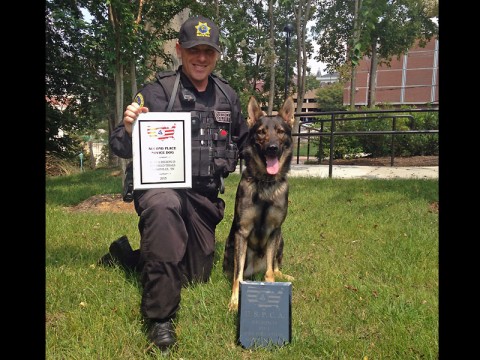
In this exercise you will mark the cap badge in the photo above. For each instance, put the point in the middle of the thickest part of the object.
(203, 29)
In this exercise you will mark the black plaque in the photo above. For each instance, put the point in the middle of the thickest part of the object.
(264, 313)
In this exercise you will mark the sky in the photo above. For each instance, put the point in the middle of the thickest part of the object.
(315, 65)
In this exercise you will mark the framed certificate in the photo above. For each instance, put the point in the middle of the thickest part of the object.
(162, 150)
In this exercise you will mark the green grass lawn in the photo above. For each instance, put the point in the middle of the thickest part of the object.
(364, 254)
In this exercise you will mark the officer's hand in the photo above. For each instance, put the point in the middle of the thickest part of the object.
(131, 114)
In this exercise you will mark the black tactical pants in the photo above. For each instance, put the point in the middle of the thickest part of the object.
(177, 245)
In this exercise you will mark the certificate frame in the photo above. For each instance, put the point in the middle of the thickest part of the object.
(162, 150)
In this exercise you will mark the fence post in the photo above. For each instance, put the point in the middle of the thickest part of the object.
(332, 137)
(81, 161)
(392, 149)
(298, 141)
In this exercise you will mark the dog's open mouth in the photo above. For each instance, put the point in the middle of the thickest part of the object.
(272, 165)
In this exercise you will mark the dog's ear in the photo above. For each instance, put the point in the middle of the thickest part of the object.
(287, 111)
(254, 112)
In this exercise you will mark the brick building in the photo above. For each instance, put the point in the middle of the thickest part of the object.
(411, 80)
(310, 98)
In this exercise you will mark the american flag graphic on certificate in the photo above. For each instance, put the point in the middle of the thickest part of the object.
(162, 132)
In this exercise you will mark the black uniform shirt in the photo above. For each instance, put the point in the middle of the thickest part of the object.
(156, 96)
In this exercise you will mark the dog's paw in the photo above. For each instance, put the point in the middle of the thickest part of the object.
(279, 274)
(233, 305)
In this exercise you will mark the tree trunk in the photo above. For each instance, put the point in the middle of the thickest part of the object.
(372, 82)
(298, 26)
(133, 78)
(116, 25)
(356, 35)
(93, 162)
(271, 59)
(301, 19)
(353, 87)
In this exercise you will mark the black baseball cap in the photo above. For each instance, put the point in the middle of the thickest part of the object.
(199, 30)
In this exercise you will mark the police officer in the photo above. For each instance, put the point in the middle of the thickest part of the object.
(177, 226)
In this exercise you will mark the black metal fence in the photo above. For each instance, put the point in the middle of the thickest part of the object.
(313, 124)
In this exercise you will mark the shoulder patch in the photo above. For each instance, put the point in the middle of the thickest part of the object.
(139, 100)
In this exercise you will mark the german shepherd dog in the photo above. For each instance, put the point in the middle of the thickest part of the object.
(255, 242)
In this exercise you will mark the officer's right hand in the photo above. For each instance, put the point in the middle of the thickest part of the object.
(131, 114)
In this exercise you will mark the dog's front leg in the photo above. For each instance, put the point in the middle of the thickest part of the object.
(276, 266)
(238, 267)
(270, 253)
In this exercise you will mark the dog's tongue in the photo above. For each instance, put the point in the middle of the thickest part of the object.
(272, 165)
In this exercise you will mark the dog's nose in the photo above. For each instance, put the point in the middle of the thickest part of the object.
(272, 149)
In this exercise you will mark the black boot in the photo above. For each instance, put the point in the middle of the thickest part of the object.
(162, 334)
(121, 253)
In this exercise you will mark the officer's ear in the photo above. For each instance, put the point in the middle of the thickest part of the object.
(178, 49)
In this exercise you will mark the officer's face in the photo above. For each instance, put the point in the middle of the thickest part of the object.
(198, 62)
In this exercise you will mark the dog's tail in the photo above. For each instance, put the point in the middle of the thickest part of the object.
(228, 255)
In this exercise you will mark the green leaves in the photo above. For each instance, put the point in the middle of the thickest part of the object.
(356, 54)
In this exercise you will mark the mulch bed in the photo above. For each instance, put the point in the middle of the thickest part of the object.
(104, 203)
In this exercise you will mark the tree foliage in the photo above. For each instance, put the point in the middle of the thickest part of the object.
(67, 104)
(330, 97)
(393, 25)
(93, 63)
(86, 57)
(386, 28)
(248, 57)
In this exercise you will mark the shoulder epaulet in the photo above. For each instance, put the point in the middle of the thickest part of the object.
(164, 74)
(219, 78)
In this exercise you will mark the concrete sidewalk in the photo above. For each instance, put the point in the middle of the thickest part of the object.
(364, 172)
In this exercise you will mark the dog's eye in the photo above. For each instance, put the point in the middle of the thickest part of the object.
(261, 132)
(280, 131)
